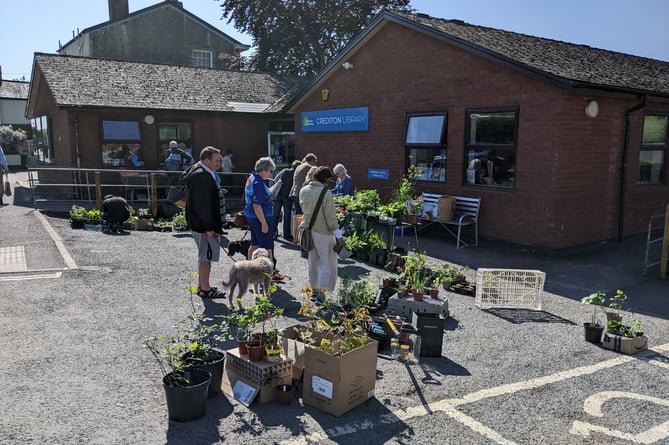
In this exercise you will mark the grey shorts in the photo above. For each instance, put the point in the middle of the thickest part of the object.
(203, 243)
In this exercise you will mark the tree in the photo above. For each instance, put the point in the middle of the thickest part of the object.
(300, 37)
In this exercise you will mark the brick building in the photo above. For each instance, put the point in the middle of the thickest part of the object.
(567, 145)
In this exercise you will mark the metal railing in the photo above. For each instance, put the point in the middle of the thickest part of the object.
(58, 188)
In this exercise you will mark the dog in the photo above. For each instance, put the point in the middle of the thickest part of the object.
(256, 271)
(242, 247)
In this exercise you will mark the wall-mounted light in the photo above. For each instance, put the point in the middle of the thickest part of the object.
(149, 119)
(592, 108)
(347, 65)
(325, 94)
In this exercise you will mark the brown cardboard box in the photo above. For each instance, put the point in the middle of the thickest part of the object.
(293, 348)
(626, 345)
(256, 374)
(338, 384)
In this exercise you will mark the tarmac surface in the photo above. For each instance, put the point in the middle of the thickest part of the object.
(75, 307)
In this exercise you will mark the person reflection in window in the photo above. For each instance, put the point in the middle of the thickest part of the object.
(132, 160)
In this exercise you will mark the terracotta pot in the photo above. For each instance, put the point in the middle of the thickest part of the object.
(242, 347)
(418, 296)
(434, 292)
(256, 352)
(284, 394)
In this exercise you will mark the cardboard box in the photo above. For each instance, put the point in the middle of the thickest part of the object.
(293, 348)
(338, 384)
(431, 330)
(626, 345)
(255, 374)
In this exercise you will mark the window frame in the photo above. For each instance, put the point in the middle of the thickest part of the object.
(662, 147)
(163, 143)
(437, 149)
(510, 148)
(43, 139)
(199, 55)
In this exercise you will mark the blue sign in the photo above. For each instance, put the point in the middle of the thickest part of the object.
(378, 173)
(343, 119)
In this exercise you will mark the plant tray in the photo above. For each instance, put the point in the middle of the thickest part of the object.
(463, 288)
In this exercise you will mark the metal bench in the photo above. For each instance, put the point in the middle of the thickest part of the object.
(465, 213)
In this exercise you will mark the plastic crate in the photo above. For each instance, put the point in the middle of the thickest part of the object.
(510, 288)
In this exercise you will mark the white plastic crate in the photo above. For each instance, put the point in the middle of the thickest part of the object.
(510, 288)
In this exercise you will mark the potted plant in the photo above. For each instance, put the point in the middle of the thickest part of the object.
(266, 313)
(179, 221)
(628, 339)
(594, 329)
(419, 289)
(376, 246)
(77, 217)
(616, 303)
(355, 295)
(238, 326)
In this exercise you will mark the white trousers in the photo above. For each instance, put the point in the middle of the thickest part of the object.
(322, 262)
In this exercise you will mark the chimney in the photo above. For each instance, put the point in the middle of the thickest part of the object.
(118, 9)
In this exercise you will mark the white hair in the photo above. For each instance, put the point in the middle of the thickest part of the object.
(339, 169)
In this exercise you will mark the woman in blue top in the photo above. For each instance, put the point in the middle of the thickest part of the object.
(344, 184)
(259, 209)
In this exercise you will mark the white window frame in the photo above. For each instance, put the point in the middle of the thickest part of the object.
(203, 58)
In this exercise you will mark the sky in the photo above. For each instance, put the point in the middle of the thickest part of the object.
(633, 27)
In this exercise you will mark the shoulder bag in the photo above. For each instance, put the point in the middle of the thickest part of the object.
(306, 241)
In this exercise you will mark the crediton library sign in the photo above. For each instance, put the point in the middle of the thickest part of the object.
(343, 119)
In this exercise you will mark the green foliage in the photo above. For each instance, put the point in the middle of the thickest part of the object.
(77, 212)
(300, 38)
(355, 242)
(617, 300)
(596, 298)
(179, 220)
(192, 342)
(356, 294)
(615, 327)
(373, 241)
(93, 215)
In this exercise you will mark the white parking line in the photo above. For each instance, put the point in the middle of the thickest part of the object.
(69, 261)
(449, 406)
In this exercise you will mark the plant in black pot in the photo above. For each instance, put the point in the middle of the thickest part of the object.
(202, 335)
(594, 329)
(186, 388)
(77, 217)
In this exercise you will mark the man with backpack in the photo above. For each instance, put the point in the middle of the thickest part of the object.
(177, 158)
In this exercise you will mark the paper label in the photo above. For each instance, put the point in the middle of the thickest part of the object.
(322, 386)
(243, 392)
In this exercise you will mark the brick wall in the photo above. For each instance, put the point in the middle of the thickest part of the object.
(567, 165)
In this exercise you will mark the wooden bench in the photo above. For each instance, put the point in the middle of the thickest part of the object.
(465, 213)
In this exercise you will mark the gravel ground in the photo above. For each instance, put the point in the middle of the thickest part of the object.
(75, 371)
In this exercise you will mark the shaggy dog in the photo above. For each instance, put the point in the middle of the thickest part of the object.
(255, 271)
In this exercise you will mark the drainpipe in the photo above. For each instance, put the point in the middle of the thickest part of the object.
(623, 167)
(76, 140)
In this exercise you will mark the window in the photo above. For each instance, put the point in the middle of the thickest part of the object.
(425, 146)
(120, 131)
(120, 142)
(654, 145)
(202, 59)
(175, 131)
(41, 129)
(491, 147)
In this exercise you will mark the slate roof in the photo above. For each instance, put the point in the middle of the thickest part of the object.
(86, 82)
(565, 65)
(151, 9)
(568, 63)
(10, 89)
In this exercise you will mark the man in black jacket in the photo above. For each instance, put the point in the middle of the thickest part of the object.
(203, 215)
(115, 211)
(283, 201)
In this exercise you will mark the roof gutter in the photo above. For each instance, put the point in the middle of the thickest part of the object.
(623, 166)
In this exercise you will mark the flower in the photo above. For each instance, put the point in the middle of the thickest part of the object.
(10, 139)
